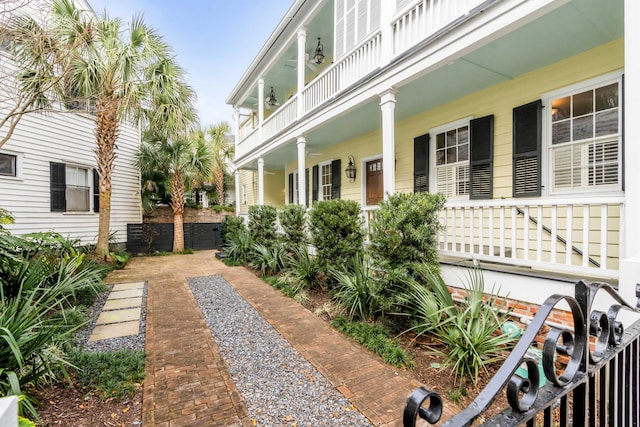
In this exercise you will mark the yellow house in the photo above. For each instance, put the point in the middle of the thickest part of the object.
(522, 112)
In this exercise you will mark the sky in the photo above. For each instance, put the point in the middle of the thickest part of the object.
(215, 40)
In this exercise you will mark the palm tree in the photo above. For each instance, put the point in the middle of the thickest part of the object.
(123, 68)
(222, 152)
(181, 161)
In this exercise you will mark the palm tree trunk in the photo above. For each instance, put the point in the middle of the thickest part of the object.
(106, 136)
(177, 205)
(219, 177)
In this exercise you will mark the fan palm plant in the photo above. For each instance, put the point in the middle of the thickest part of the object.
(121, 68)
(182, 161)
(222, 152)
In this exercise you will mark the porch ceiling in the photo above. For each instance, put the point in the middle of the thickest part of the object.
(575, 27)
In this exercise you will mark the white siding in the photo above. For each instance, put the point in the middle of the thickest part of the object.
(66, 138)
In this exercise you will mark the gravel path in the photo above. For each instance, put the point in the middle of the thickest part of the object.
(279, 386)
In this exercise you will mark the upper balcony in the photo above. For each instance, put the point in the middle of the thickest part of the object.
(353, 44)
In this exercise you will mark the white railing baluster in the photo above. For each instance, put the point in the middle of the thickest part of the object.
(526, 232)
(554, 233)
(539, 234)
(502, 228)
(514, 232)
(481, 228)
(604, 240)
(569, 240)
(454, 240)
(471, 230)
(586, 214)
(492, 250)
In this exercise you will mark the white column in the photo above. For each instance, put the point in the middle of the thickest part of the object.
(388, 105)
(236, 175)
(236, 119)
(387, 10)
(302, 57)
(260, 106)
(302, 185)
(630, 228)
(260, 181)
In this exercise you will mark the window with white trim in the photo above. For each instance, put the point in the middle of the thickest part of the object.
(8, 165)
(243, 194)
(452, 159)
(78, 189)
(585, 146)
(325, 181)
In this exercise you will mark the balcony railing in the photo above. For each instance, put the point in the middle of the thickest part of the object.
(425, 19)
(280, 119)
(578, 236)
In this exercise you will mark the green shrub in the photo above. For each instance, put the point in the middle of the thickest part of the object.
(231, 226)
(262, 225)
(336, 232)
(292, 220)
(403, 230)
(358, 290)
(374, 337)
(469, 330)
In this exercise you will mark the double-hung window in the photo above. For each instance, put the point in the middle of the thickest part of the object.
(8, 164)
(71, 188)
(452, 159)
(325, 181)
(585, 137)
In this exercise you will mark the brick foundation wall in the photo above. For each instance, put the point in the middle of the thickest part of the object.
(164, 215)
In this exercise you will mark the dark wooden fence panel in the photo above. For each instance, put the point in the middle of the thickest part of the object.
(158, 237)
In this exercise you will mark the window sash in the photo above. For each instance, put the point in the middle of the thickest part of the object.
(325, 181)
(585, 143)
(8, 164)
(77, 198)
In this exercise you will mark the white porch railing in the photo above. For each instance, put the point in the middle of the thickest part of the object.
(576, 236)
(249, 143)
(352, 67)
(281, 118)
(426, 18)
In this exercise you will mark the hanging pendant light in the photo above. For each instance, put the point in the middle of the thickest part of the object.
(271, 100)
(319, 55)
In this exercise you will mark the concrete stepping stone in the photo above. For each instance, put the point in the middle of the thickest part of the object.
(117, 304)
(129, 293)
(118, 316)
(127, 286)
(115, 330)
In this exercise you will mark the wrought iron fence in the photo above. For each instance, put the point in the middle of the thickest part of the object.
(593, 371)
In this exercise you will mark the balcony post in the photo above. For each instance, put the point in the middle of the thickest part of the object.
(388, 105)
(630, 226)
(260, 106)
(302, 57)
(260, 181)
(387, 10)
(236, 127)
(236, 175)
(302, 185)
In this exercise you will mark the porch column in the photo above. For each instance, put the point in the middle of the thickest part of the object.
(387, 10)
(260, 181)
(236, 127)
(302, 185)
(388, 105)
(302, 57)
(630, 241)
(260, 106)
(236, 175)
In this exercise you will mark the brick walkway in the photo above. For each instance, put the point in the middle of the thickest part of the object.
(187, 382)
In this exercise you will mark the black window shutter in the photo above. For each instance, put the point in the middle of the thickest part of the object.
(314, 187)
(96, 191)
(58, 183)
(481, 158)
(306, 182)
(291, 188)
(527, 146)
(421, 164)
(336, 171)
